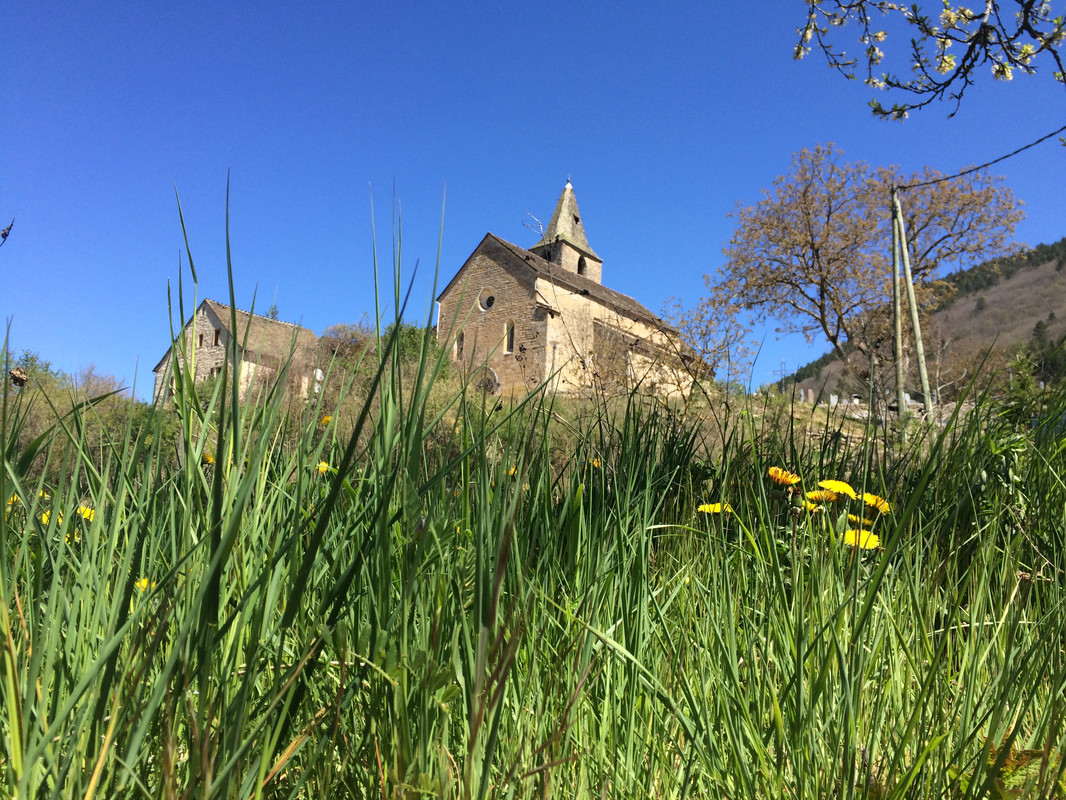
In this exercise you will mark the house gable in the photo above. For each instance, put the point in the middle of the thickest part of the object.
(488, 317)
(263, 347)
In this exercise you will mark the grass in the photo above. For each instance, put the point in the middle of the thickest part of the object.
(470, 601)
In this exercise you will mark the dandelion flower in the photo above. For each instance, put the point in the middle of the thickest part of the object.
(207, 458)
(862, 539)
(326, 420)
(783, 477)
(86, 513)
(855, 519)
(822, 496)
(47, 515)
(840, 487)
(14, 501)
(811, 507)
(874, 501)
(715, 508)
(323, 467)
(144, 585)
(512, 471)
(595, 462)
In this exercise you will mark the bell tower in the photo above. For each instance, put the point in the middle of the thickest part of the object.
(564, 242)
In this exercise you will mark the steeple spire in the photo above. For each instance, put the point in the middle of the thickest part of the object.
(564, 241)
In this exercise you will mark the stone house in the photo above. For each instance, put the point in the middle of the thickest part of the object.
(264, 346)
(517, 318)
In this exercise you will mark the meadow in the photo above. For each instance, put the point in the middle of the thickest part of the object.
(418, 591)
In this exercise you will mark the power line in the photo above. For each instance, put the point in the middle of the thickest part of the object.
(986, 164)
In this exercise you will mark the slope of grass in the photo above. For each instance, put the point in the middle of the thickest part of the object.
(433, 602)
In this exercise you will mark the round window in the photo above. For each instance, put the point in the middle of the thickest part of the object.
(486, 300)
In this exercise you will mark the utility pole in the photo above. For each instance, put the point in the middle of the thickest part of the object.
(919, 349)
(897, 308)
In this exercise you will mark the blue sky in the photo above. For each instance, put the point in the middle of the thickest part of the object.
(458, 118)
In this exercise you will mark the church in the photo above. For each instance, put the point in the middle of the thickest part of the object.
(515, 319)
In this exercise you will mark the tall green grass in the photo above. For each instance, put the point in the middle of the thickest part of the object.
(448, 597)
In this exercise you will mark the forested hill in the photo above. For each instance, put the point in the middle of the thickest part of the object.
(976, 279)
(1015, 303)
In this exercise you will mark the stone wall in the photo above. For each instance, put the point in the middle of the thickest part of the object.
(207, 343)
(593, 347)
(474, 318)
(206, 340)
(554, 336)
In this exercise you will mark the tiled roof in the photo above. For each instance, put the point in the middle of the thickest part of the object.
(263, 340)
(578, 283)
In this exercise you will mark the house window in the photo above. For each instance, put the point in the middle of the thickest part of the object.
(581, 266)
(218, 336)
(216, 371)
(200, 341)
(459, 345)
(508, 338)
(486, 299)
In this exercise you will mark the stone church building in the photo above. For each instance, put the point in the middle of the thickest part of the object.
(517, 318)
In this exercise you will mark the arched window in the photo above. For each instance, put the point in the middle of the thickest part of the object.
(508, 338)
(459, 345)
(487, 381)
(581, 266)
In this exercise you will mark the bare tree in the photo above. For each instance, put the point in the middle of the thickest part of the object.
(815, 252)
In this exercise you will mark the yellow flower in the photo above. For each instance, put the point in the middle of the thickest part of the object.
(811, 507)
(14, 501)
(840, 487)
(783, 477)
(326, 420)
(862, 539)
(874, 501)
(47, 515)
(207, 458)
(595, 462)
(86, 513)
(512, 471)
(822, 496)
(144, 585)
(855, 519)
(323, 467)
(715, 508)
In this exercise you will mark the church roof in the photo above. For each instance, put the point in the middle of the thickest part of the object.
(507, 254)
(566, 224)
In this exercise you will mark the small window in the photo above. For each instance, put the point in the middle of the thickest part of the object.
(486, 300)
(218, 336)
(200, 341)
(459, 342)
(508, 338)
(581, 266)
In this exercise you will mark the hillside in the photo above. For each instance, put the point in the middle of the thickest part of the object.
(995, 305)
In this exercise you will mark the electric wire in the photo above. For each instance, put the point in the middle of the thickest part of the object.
(982, 166)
